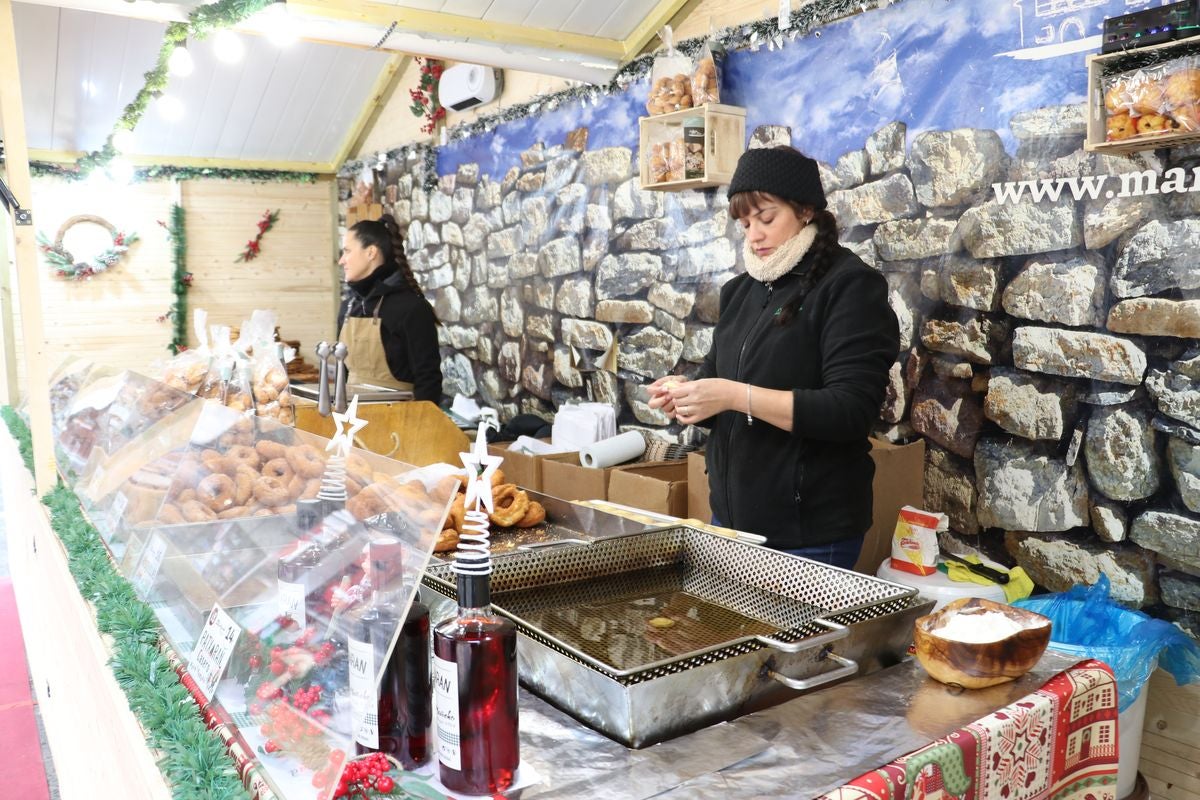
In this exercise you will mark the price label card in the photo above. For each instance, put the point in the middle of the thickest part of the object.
(211, 654)
(117, 509)
(147, 568)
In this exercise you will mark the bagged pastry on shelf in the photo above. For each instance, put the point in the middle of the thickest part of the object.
(188, 369)
(272, 393)
(670, 80)
(706, 77)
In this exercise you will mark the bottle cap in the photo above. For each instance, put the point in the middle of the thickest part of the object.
(474, 591)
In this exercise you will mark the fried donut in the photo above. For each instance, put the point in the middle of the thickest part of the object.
(312, 487)
(536, 515)
(234, 513)
(1152, 123)
(241, 454)
(359, 469)
(270, 450)
(1187, 116)
(271, 492)
(305, 460)
(185, 495)
(243, 481)
(216, 491)
(353, 487)
(195, 511)
(212, 460)
(447, 540)
(281, 469)
(1183, 87)
(509, 505)
(1148, 97)
(458, 513)
(170, 515)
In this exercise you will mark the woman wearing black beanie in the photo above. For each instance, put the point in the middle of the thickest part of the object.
(797, 370)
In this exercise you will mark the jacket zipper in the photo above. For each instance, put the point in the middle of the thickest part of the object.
(737, 373)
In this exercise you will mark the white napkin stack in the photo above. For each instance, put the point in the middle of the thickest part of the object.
(576, 426)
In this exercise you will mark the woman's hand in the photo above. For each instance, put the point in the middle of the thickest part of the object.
(660, 393)
(698, 400)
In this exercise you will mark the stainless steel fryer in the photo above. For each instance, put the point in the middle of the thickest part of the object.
(651, 635)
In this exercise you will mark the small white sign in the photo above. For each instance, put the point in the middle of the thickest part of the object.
(364, 701)
(446, 712)
(211, 654)
(117, 509)
(292, 598)
(148, 565)
(785, 14)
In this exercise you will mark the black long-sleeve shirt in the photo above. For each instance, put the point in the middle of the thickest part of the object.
(811, 486)
(408, 329)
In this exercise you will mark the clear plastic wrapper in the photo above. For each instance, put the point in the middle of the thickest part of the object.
(670, 81)
(272, 393)
(268, 541)
(706, 75)
(668, 156)
(1153, 100)
(188, 370)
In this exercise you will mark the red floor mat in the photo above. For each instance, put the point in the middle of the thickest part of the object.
(21, 771)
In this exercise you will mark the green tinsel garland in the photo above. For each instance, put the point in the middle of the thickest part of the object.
(181, 279)
(193, 760)
(200, 23)
(40, 169)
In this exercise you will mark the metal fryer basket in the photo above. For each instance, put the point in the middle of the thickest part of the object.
(753, 597)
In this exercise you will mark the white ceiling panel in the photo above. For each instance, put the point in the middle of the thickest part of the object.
(475, 9)
(549, 14)
(511, 12)
(37, 58)
(624, 19)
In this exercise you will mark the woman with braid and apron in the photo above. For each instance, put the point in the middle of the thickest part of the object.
(386, 323)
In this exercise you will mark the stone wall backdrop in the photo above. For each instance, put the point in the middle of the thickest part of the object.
(1050, 354)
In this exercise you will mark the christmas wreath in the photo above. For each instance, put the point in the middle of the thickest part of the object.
(64, 263)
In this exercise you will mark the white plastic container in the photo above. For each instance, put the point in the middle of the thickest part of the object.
(1129, 724)
(939, 588)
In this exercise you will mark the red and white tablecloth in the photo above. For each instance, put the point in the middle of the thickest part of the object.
(1058, 743)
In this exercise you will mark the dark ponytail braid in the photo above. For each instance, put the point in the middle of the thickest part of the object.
(384, 233)
(824, 251)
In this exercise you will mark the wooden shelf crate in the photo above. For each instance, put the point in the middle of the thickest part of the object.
(724, 143)
(1097, 116)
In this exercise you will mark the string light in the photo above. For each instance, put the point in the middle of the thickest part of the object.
(180, 63)
(228, 46)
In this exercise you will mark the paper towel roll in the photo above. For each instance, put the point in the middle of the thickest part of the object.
(610, 452)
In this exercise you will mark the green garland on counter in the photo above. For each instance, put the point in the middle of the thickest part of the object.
(202, 21)
(181, 280)
(193, 760)
(41, 169)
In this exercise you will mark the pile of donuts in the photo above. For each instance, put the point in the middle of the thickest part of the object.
(511, 508)
(1153, 101)
(242, 477)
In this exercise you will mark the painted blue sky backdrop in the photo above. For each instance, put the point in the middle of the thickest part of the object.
(934, 64)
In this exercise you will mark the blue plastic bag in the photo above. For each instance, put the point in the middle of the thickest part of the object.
(1127, 640)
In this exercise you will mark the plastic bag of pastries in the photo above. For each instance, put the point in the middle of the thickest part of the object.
(272, 392)
(1136, 103)
(670, 80)
(188, 369)
(1182, 90)
(706, 76)
(665, 161)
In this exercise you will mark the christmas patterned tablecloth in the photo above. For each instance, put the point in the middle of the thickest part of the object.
(1058, 743)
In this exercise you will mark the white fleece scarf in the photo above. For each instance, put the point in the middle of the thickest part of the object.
(780, 262)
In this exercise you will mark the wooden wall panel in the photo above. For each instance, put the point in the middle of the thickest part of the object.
(295, 273)
(113, 318)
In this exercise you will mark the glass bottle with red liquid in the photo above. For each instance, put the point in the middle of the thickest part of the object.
(392, 714)
(295, 566)
(475, 693)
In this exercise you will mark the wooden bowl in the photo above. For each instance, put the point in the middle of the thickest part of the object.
(948, 646)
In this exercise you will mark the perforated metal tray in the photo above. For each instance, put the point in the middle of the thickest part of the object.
(742, 618)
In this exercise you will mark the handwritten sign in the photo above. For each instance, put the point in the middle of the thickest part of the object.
(147, 567)
(212, 651)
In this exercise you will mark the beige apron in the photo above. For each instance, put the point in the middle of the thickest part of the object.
(365, 359)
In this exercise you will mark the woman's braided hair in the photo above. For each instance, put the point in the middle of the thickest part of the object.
(384, 233)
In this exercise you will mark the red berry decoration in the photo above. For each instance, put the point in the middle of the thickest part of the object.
(385, 784)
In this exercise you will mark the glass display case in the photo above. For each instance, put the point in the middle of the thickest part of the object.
(280, 565)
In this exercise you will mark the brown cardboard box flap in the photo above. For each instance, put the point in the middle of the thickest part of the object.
(524, 469)
(899, 481)
(658, 487)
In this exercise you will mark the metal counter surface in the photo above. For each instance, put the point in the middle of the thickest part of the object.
(799, 749)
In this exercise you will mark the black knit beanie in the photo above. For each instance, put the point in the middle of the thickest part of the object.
(781, 171)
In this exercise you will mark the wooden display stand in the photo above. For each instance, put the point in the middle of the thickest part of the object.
(415, 432)
(724, 143)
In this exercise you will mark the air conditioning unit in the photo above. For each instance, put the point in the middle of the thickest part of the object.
(465, 86)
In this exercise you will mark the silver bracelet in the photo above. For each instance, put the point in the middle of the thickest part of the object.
(749, 415)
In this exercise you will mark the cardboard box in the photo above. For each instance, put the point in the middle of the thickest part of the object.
(523, 469)
(899, 481)
(567, 479)
(660, 487)
(698, 507)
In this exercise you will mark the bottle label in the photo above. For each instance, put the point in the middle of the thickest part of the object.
(291, 603)
(445, 704)
(364, 701)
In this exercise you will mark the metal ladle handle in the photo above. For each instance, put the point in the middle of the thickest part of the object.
(324, 350)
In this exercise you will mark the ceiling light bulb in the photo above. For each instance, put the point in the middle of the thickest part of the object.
(282, 29)
(180, 63)
(120, 170)
(228, 46)
(170, 107)
(122, 140)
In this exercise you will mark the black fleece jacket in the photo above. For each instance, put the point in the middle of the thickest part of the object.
(811, 486)
(407, 326)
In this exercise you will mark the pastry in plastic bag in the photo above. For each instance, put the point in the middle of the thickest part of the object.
(706, 78)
